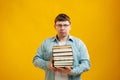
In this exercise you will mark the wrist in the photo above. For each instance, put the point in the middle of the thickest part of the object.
(48, 64)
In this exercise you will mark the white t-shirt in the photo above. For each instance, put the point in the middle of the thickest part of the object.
(58, 75)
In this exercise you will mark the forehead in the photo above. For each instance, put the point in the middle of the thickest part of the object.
(62, 22)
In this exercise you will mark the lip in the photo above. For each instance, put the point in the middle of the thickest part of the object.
(62, 32)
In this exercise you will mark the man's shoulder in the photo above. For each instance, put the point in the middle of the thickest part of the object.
(49, 39)
(75, 38)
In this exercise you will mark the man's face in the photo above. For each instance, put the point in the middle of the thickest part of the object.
(62, 28)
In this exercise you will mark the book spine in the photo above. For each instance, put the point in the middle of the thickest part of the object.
(62, 50)
(63, 58)
(57, 47)
(63, 61)
(62, 54)
(63, 64)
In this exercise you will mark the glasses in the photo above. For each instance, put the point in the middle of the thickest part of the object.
(64, 25)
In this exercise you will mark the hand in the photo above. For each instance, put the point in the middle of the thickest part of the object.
(66, 70)
(51, 65)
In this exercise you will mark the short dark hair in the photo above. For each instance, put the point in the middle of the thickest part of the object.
(62, 17)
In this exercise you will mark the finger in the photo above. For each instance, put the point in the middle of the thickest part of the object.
(69, 68)
(51, 66)
(60, 68)
(54, 69)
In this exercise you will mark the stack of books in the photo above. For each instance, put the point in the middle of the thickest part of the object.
(62, 56)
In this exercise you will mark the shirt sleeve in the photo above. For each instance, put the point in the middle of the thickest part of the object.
(84, 62)
(38, 60)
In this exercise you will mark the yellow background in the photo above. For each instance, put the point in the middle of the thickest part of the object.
(24, 24)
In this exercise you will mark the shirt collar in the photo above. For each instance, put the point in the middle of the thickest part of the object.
(55, 38)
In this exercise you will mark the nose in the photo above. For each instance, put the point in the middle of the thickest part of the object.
(62, 27)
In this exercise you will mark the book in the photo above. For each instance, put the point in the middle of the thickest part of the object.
(64, 66)
(62, 56)
(62, 48)
(63, 62)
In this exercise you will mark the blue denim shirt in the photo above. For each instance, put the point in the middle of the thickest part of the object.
(80, 55)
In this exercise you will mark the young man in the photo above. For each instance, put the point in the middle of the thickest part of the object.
(44, 60)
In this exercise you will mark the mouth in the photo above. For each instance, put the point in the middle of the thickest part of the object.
(62, 32)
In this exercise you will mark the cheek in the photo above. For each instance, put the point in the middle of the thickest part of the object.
(56, 29)
(68, 29)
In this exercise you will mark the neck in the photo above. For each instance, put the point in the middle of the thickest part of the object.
(62, 38)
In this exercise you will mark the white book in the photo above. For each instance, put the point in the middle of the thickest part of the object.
(62, 50)
(63, 58)
(63, 54)
(63, 62)
(63, 46)
(63, 66)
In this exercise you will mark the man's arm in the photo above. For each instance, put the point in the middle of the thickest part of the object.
(76, 70)
(84, 66)
(38, 60)
(84, 62)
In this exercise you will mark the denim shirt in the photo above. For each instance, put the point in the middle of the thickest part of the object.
(80, 55)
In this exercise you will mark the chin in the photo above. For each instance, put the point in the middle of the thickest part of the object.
(63, 35)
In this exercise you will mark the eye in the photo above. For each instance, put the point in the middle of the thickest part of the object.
(65, 25)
